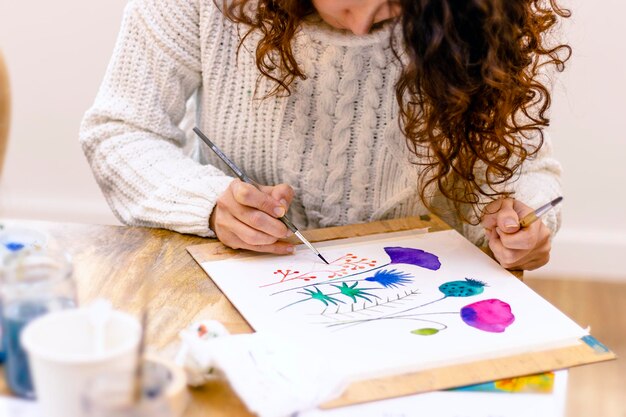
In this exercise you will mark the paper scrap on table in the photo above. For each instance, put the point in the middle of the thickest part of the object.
(15, 407)
(273, 376)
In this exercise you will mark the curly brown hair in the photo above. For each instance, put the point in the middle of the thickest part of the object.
(470, 93)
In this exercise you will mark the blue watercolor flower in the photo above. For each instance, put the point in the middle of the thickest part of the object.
(412, 256)
(391, 278)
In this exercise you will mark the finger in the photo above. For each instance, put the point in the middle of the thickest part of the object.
(538, 262)
(534, 259)
(508, 220)
(489, 215)
(535, 263)
(521, 208)
(541, 255)
(259, 220)
(254, 218)
(528, 238)
(283, 193)
(249, 195)
(244, 232)
(508, 258)
(489, 233)
(278, 248)
(523, 239)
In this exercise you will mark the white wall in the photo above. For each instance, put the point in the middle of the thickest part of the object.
(57, 52)
(588, 128)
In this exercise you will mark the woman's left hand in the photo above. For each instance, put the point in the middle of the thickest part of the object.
(514, 247)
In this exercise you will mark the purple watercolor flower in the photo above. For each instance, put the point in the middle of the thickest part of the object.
(412, 256)
(490, 315)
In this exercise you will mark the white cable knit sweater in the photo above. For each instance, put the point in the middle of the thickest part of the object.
(335, 140)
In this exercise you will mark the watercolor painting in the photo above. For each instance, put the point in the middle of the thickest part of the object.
(413, 297)
(359, 288)
(531, 384)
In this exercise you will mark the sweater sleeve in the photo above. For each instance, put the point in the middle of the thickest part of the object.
(131, 135)
(538, 182)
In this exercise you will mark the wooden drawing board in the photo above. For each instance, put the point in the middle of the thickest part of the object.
(579, 353)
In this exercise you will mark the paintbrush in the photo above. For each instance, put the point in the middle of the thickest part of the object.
(141, 347)
(243, 177)
(533, 216)
(146, 295)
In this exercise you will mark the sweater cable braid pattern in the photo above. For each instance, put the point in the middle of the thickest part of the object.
(336, 138)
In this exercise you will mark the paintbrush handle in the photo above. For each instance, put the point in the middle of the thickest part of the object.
(533, 216)
(528, 220)
(288, 223)
(236, 170)
(239, 173)
(243, 177)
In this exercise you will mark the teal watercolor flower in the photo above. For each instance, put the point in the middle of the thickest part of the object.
(467, 288)
(353, 292)
(318, 295)
(314, 295)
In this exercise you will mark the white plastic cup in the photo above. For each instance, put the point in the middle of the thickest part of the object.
(63, 359)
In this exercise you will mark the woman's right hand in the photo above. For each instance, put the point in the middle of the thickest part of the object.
(247, 218)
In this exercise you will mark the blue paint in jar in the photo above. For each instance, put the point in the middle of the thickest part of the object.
(34, 283)
(11, 247)
(17, 371)
(2, 343)
(16, 316)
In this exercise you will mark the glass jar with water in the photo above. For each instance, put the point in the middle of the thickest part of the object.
(32, 284)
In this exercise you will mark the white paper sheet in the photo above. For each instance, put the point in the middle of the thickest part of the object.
(15, 407)
(369, 324)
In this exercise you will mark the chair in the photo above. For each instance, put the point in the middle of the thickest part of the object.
(5, 110)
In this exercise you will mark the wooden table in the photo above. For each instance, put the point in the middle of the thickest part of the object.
(116, 263)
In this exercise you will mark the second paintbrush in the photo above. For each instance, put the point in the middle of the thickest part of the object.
(243, 177)
(533, 216)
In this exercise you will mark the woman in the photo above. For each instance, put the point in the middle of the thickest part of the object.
(322, 98)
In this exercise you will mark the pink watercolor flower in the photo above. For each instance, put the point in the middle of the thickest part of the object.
(491, 315)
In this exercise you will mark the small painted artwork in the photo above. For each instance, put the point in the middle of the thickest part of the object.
(414, 298)
(531, 384)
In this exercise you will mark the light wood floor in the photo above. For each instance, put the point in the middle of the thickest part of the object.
(597, 390)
